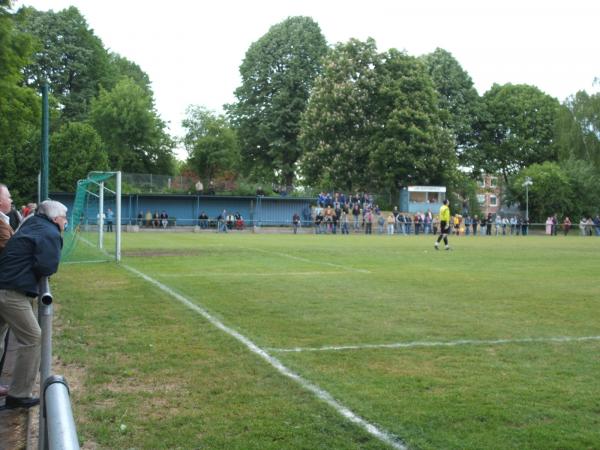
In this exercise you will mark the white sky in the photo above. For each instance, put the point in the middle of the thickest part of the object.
(192, 49)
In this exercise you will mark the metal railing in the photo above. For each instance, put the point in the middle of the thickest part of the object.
(402, 228)
(213, 224)
(56, 424)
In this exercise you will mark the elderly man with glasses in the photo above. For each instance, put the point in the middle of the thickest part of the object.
(31, 253)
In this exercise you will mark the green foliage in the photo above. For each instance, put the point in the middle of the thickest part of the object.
(578, 129)
(60, 48)
(516, 129)
(211, 144)
(373, 122)
(134, 135)
(409, 144)
(339, 118)
(458, 98)
(76, 150)
(69, 56)
(15, 47)
(277, 76)
(20, 158)
(121, 68)
(550, 193)
(583, 179)
(570, 190)
(19, 113)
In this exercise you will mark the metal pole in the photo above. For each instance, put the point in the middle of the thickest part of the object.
(118, 208)
(39, 189)
(62, 433)
(526, 200)
(45, 159)
(101, 216)
(45, 313)
(527, 183)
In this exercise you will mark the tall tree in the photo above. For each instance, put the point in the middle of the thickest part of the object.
(19, 112)
(410, 144)
(211, 143)
(373, 122)
(121, 67)
(568, 189)
(277, 77)
(551, 191)
(457, 98)
(339, 119)
(516, 129)
(69, 56)
(578, 129)
(76, 150)
(134, 134)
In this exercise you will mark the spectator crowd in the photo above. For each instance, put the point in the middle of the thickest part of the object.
(359, 213)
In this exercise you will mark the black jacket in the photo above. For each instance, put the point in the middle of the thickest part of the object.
(32, 252)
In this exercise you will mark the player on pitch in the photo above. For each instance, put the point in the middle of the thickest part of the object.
(444, 225)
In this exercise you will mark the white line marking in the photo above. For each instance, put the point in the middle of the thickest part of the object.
(298, 258)
(436, 344)
(379, 433)
(246, 274)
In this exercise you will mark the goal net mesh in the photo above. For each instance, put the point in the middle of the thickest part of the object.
(81, 240)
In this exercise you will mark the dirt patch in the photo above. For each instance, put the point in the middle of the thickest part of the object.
(74, 375)
(90, 445)
(13, 429)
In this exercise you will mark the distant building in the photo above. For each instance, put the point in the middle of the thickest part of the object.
(489, 194)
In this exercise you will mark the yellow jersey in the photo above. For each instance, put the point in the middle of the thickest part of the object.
(445, 214)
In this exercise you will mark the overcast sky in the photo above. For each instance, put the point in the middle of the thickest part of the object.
(192, 49)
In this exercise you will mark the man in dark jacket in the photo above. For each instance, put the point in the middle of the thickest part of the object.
(32, 253)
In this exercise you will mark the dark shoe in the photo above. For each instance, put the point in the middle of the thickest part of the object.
(21, 402)
(3, 390)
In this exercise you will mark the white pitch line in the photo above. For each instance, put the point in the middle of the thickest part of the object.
(247, 274)
(323, 395)
(324, 263)
(436, 344)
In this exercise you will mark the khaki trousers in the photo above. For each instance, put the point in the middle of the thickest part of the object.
(17, 313)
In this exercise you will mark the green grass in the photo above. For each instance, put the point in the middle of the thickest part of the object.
(175, 381)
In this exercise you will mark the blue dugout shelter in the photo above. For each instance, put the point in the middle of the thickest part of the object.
(185, 209)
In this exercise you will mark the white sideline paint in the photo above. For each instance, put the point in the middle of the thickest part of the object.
(246, 274)
(437, 344)
(298, 258)
(380, 434)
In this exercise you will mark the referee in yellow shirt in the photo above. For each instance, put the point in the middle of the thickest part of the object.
(444, 225)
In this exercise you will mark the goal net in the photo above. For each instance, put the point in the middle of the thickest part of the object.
(94, 231)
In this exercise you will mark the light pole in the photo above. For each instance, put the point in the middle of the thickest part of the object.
(527, 183)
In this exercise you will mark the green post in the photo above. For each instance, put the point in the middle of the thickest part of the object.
(45, 159)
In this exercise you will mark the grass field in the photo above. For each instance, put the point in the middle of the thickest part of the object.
(493, 345)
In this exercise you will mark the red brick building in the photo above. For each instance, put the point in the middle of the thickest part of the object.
(489, 194)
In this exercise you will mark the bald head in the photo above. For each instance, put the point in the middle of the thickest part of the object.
(5, 199)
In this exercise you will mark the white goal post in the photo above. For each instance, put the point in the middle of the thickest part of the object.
(98, 178)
